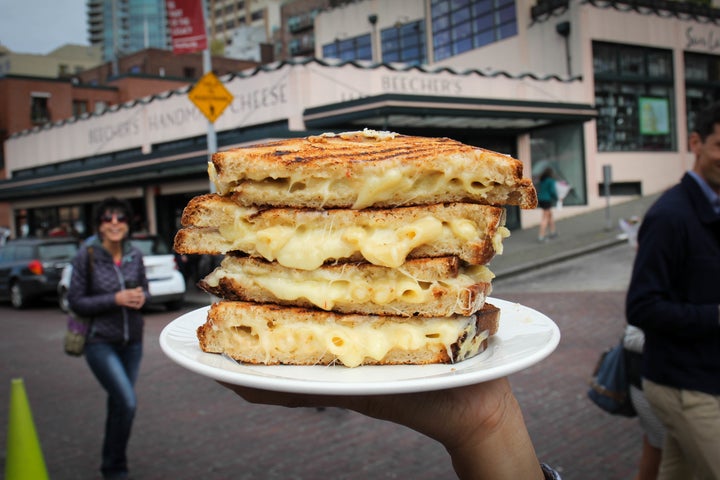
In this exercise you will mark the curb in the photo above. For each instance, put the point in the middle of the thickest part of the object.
(550, 259)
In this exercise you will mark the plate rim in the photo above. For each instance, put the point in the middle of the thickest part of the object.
(452, 377)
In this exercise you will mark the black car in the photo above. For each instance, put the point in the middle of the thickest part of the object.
(30, 268)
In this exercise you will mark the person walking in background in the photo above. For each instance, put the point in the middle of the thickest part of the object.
(111, 291)
(652, 427)
(675, 299)
(547, 197)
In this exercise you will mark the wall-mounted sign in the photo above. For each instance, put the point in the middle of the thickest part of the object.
(654, 116)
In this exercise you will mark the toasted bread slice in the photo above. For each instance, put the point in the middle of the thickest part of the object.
(427, 287)
(369, 169)
(271, 334)
(307, 239)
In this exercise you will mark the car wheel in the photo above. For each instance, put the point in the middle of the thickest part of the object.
(17, 298)
(63, 300)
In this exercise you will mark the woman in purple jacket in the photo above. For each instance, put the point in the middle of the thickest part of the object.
(109, 286)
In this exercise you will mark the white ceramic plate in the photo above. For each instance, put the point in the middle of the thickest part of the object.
(525, 337)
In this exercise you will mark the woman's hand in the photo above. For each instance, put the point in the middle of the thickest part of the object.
(131, 298)
(481, 425)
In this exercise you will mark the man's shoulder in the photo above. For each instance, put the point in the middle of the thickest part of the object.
(674, 199)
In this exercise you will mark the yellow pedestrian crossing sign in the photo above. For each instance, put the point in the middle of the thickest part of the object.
(210, 96)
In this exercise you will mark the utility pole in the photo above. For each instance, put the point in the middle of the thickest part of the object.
(207, 67)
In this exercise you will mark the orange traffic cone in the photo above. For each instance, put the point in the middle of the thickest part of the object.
(24, 455)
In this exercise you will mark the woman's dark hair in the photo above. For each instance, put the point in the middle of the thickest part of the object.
(547, 173)
(113, 204)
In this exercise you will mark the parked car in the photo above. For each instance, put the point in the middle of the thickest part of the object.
(166, 283)
(30, 268)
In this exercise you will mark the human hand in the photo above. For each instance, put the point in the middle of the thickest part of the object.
(481, 425)
(131, 298)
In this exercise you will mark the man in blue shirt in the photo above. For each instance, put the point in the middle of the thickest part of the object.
(674, 297)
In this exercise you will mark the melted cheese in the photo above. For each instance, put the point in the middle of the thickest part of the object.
(307, 247)
(325, 288)
(372, 189)
(352, 343)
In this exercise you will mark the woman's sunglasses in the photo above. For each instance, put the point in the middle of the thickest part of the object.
(119, 217)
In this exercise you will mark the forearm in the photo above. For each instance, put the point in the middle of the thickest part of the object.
(481, 426)
(501, 449)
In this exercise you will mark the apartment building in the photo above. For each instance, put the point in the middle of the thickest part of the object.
(62, 62)
(122, 27)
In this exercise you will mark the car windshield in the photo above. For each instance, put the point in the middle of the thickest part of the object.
(57, 251)
(151, 246)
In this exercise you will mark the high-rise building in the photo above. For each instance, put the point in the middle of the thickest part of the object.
(122, 27)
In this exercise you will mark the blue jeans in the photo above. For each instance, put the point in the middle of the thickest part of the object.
(116, 368)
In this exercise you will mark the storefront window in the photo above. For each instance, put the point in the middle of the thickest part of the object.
(561, 148)
(634, 97)
(702, 83)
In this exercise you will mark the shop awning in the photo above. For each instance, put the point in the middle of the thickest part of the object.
(394, 111)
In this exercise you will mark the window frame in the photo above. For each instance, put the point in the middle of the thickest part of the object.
(404, 43)
(700, 92)
(348, 49)
(459, 26)
(624, 76)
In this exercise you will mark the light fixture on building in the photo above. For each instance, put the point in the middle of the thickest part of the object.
(563, 29)
(373, 18)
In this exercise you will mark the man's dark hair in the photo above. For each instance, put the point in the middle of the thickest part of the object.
(113, 204)
(706, 119)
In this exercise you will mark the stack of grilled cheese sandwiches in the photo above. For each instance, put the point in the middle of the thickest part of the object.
(356, 248)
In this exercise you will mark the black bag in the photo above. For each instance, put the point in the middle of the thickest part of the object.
(610, 384)
(78, 327)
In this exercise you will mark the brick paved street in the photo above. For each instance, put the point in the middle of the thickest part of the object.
(189, 427)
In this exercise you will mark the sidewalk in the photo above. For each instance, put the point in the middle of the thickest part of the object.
(577, 235)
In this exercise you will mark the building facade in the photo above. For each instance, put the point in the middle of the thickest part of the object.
(63, 62)
(585, 86)
(122, 27)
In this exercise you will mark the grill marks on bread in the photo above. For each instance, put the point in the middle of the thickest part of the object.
(361, 169)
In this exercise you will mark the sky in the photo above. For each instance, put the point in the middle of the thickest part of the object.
(41, 26)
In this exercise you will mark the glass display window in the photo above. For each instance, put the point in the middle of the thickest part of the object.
(634, 95)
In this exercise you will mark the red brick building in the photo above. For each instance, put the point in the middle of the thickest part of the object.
(31, 102)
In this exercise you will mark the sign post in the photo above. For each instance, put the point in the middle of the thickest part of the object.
(607, 180)
(188, 30)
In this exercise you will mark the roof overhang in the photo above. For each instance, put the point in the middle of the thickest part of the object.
(392, 111)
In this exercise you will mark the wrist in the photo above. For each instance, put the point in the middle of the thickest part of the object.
(498, 445)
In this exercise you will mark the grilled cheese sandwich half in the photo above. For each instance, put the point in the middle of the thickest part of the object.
(428, 287)
(369, 169)
(306, 239)
(270, 334)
